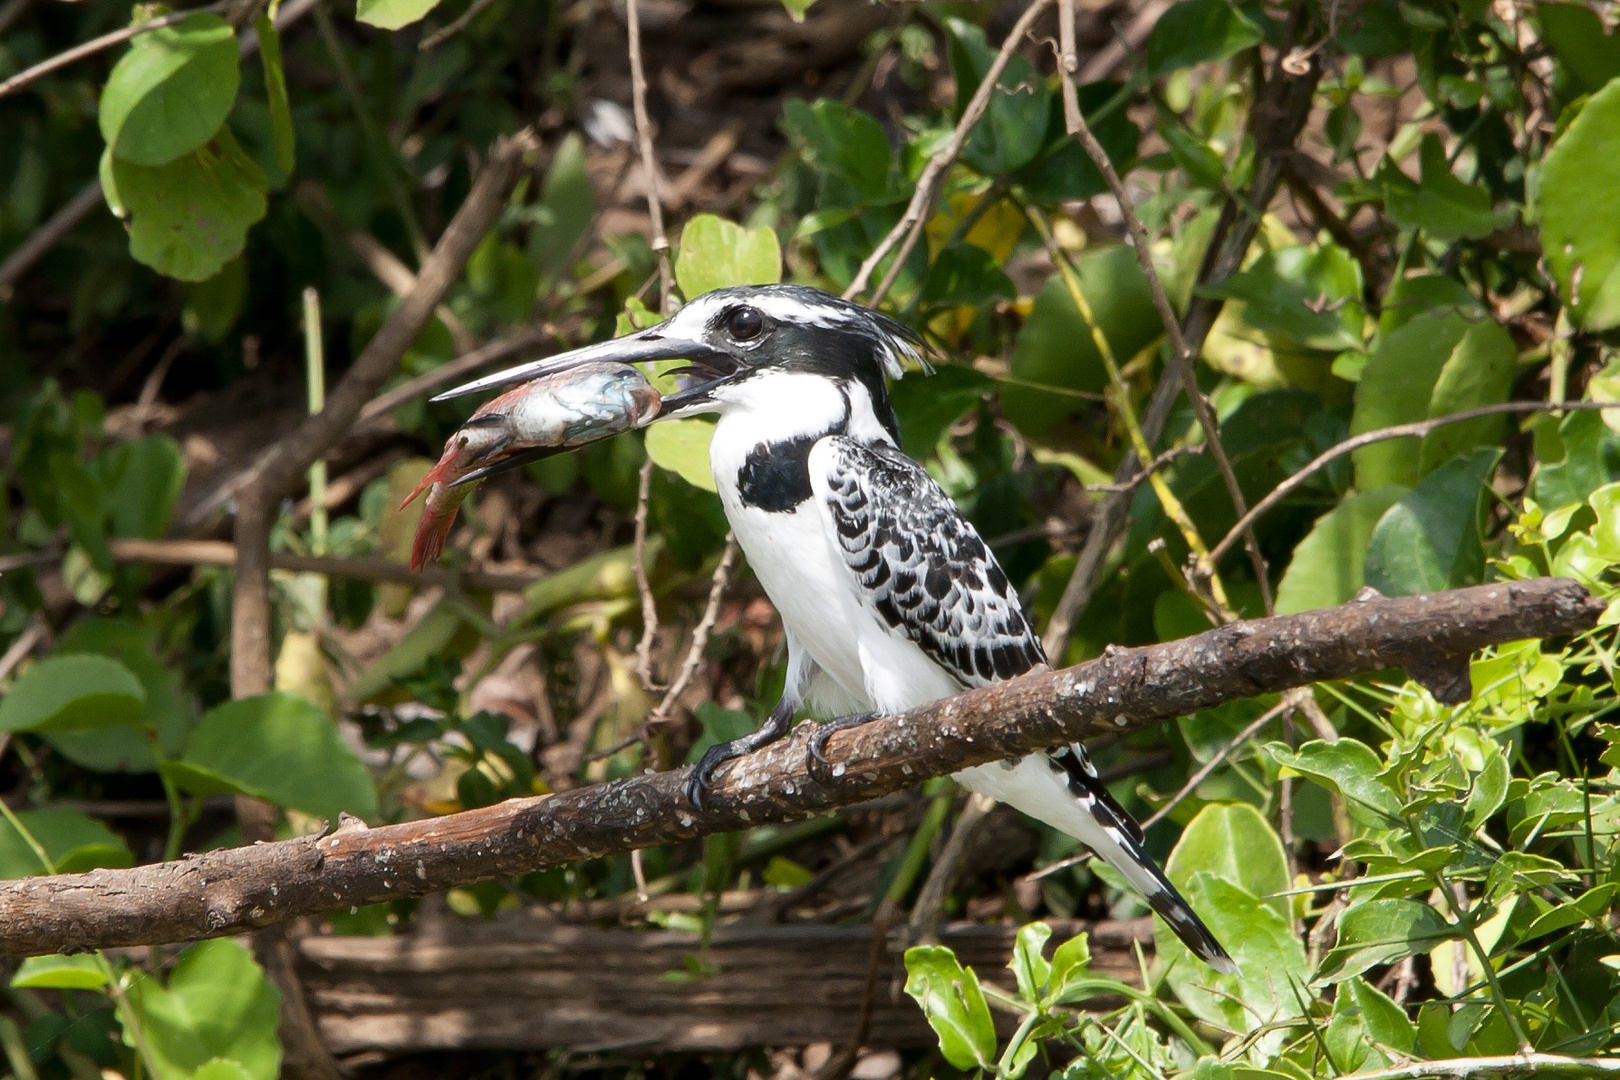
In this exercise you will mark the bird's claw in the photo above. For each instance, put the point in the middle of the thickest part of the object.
(816, 747)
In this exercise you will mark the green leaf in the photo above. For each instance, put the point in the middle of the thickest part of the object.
(275, 91)
(1573, 459)
(1235, 843)
(1432, 365)
(1070, 964)
(218, 1004)
(64, 692)
(1309, 293)
(1580, 222)
(281, 748)
(1202, 164)
(83, 504)
(1063, 171)
(1055, 350)
(1350, 768)
(222, 1069)
(214, 306)
(926, 405)
(1028, 966)
(1197, 32)
(73, 842)
(716, 253)
(1382, 932)
(86, 971)
(1328, 565)
(682, 447)
(393, 14)
(191, 217)
(167, 713)
(1430, 540)
(1478, 372)
(1580, 41)
(567, 206)
(143, 479)
(1440, 204)
(1271, 961)
(1014, 126)
(1593, 904)
(171, 92)
(1385, 1022)
(797, 8)
(1489, 790)
(846, 143)
(965, 274)
(954, 1005)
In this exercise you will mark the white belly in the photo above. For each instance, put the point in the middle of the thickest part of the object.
(865, 664)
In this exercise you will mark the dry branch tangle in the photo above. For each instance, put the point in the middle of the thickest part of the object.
(228, 891)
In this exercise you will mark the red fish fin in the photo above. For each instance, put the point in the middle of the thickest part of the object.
(430, 537)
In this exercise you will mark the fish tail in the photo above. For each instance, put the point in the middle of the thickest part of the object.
(431, 534)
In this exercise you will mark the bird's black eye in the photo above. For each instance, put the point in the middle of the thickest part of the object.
(745, 323)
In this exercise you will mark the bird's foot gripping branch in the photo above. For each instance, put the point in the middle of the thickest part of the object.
(228, 891)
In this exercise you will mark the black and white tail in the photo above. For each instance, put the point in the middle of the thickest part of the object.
(1062, 789)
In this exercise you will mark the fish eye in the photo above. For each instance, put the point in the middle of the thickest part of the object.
(745, 323)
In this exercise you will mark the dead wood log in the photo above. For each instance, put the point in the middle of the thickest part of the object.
(227, 891)
(522, 983)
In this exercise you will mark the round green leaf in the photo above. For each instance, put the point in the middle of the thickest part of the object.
(172, 91)
(1236, 844)
(716, 253)
(83, 972)
(682, 446)
(73, 842)
(281, 748)
(191, 216)
(1430, 539)
(1580, 218)
(1328, 565)
(393, 14)
(73, 692)
(218, 1004)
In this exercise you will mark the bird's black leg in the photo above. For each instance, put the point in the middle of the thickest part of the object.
(825, 730)
(776, 725)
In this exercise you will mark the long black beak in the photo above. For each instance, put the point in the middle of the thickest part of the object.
(639, 348)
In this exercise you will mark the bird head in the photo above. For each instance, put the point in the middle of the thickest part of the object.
(737, 340)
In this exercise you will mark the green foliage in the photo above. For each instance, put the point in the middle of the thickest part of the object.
(1581, 229)
(1454, 867)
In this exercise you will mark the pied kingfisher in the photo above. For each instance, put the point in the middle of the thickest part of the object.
(888, 597)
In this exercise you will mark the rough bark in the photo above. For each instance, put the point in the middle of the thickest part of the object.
(227, 891)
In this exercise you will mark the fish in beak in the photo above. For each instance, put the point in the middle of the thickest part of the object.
(707, 366)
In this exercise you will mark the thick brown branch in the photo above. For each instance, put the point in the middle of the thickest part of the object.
(228, 891)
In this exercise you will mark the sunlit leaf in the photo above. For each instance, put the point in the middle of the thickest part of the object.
(171, 92)
(1580, 225)
(64, 692)
(954, 1005)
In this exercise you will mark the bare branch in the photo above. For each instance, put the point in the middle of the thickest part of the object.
(105, 41)
(1416, 430)
(911, 223)
(230, 890)
(649, 160)
(1276, 121)
(700, 636)
(649, 606)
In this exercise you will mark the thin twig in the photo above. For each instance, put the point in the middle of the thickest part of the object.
(1505, 1065)
(1130, 486)
(31, 636)
(105, 41)
(700, 636)
(911, 223)
(649, 607)
(1215, 762)
(1181, 355)
(649, 160)
(1415, 430)
(454, 28)
(1276, 121)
